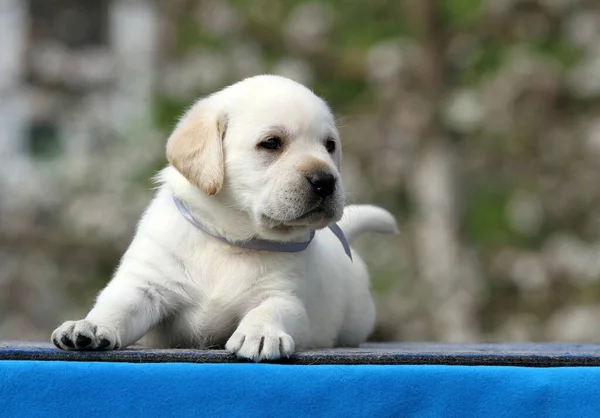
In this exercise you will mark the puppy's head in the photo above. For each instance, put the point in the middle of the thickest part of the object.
(267, 146)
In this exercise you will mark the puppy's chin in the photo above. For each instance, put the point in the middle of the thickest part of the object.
(281, 232)
(317, 218)
(296, 228)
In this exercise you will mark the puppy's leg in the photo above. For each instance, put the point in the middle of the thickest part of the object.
(271, 330)
(133, 302)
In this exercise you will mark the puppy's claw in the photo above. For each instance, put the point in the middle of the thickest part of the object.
(260, 344)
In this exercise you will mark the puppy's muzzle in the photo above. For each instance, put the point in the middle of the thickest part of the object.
(322, 183)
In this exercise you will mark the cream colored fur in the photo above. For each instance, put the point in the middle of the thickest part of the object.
(192, 290)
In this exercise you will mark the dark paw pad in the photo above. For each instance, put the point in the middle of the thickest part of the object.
(104, 343)
(82, 341)
(67, 341)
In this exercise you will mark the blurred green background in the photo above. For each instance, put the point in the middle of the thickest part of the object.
(476, 122)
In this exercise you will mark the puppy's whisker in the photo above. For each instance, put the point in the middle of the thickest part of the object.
(342, 118)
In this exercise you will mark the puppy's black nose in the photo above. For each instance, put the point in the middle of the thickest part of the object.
(323, 184)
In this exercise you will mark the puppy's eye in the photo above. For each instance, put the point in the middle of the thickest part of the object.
(330, 146)
(271, 143)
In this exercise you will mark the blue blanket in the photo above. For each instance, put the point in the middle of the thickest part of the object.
(108, 390)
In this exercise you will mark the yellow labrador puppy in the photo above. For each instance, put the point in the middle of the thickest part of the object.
(240, 246)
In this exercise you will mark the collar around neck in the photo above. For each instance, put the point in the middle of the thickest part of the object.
(260, 244)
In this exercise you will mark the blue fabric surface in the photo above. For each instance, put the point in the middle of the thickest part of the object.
(86, 389)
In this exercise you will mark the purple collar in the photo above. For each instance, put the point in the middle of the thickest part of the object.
(260, 244)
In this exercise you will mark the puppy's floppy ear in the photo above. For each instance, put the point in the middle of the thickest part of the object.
(195, 148)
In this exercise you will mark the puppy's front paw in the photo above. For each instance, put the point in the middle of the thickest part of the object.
(85, 335)
(260, 343)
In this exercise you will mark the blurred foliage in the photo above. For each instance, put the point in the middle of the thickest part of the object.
(501, 237)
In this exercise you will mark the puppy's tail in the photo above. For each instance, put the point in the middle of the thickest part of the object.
(367, 218)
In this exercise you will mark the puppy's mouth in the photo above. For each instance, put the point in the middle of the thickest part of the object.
(310, 217)
(314, 216)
